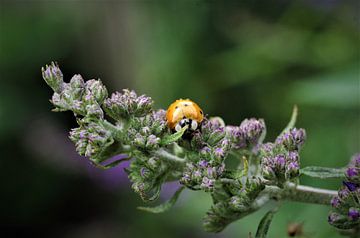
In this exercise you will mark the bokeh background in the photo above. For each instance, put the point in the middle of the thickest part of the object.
(237, 59)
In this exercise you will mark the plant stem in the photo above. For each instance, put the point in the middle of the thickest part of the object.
(301, 193)
(166, 155)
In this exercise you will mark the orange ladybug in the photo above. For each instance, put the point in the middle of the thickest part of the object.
(184, 112)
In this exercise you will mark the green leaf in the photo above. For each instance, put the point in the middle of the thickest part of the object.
(292, 121)
(323, 172)
(173, 137)
(265, 223)
(165, 206)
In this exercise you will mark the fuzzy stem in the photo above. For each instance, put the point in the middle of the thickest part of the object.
(166, 155)
(301, 193)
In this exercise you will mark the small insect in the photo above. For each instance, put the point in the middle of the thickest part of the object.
(184, 112)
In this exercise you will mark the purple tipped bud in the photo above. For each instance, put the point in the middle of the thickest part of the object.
(293, 156)
(53, 76)
(203, 163)
(252, 129)
(205, 151)
(219, 152)
(333, 217)
(97, 90)
(343, 193)
(293, 139)
(351, 186)
(152, 142)
(354, 214)
(207, 183)
(197, 174)
(124, 104)
(352, 173)
(279, 161)
(335, 202)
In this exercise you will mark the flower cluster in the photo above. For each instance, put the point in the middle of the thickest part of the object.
(292, 139)
(248, 134)
(201, 175)
(232, 200)
(127, 104)
(280, 161)
(91, 140)
(145, 132)
(231, 163)
(346, 206)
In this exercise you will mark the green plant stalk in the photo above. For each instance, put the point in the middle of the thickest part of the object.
(301, 193)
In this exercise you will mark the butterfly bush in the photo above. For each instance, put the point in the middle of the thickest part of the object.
(126, 123)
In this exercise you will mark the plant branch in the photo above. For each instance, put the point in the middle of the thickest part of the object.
(301, 193)
(166, 155)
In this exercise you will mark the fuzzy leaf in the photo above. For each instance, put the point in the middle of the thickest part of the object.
(165, 206)
(265, 223)
(323, 172)
(292, 121)
(173, 137)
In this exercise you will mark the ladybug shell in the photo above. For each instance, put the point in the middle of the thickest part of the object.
(183, 108)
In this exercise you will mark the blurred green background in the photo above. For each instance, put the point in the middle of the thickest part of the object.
(236, 59)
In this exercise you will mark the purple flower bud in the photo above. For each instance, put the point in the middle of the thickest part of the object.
(292, 170)
(293, 139)
(352, 172)
(236, 136)
(205, 151)
(211, 172)
(207, 183)
(343, 193)
(252, 129)
(203, 163)
(124, 104)
(335, 202)
(96, 89)
(354, 214)
(77, 81)
(280, 161)
(219, 152)
(293, 156)
(145, 130)
(53, 76)
(333, 217)
(267, 148)
(152, 142)
(197, 174)
(351, 186)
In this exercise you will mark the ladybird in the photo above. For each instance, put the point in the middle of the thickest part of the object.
(184, 112)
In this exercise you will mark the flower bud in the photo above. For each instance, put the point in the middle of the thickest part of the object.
(152, 142)
(123, 105)
(96, 89)
(53, 77)
(292, 139)
(212, 131)
(207, 184)
(91, 139)
(77, 85)
(354, 213)
(252, 129)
